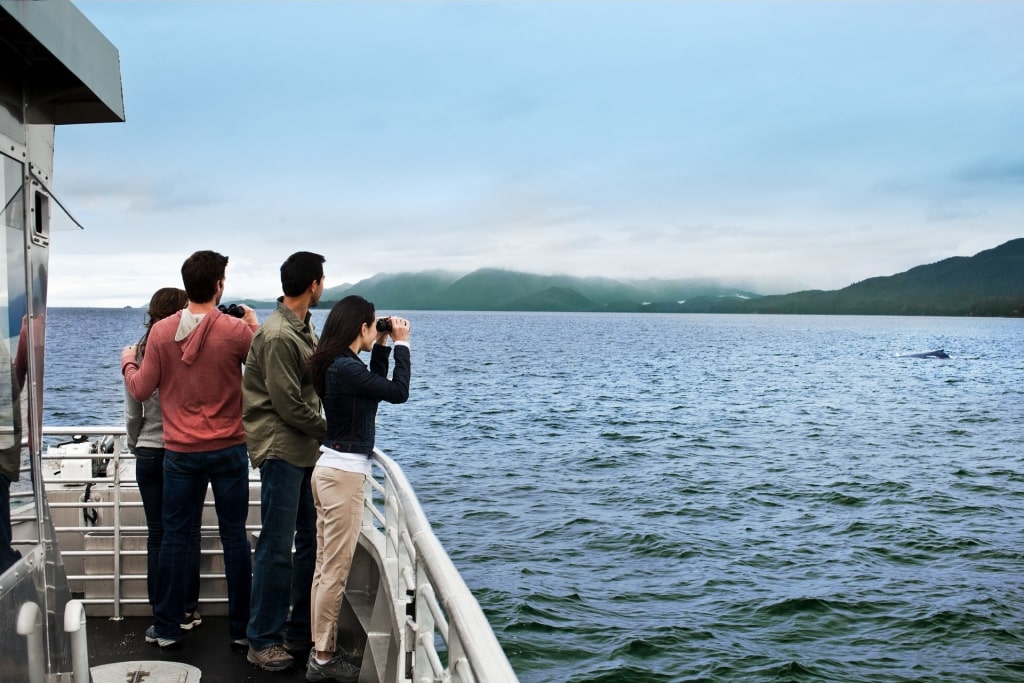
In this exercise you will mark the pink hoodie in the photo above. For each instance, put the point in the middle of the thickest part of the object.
(198, 369)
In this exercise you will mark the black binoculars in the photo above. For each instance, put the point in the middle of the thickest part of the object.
(232, 310)
(384, 325)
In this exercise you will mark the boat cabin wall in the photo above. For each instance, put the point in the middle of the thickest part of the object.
(16, 363)
(34, 575)
(55, 68)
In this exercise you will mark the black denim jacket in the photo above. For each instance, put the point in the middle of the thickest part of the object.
(351, 395)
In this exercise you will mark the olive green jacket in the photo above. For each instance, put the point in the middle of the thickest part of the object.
(281, 411)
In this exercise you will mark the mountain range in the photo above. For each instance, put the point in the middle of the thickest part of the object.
(990, 283)
(490, 289)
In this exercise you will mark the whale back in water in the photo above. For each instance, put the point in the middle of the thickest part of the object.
(937, 353)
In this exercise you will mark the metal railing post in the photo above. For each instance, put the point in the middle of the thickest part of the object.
(117, 532)
(74, 624)
(30, 625)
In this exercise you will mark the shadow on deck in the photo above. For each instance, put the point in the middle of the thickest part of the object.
(206, 647)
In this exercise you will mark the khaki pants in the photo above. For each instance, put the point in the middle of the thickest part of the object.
(338, 496)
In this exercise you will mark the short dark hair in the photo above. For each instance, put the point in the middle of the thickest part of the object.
(200, 274)
(299, 270)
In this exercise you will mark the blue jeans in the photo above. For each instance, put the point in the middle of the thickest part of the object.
(185, 480)
(149, 473)
(279, 581)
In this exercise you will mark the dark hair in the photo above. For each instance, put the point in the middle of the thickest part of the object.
(344, 323)
(300, 269)
(200, 273)
(165, 302)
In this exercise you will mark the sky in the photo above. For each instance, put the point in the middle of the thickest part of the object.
(778, 146)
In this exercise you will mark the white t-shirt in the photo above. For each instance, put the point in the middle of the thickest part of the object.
(346, 462)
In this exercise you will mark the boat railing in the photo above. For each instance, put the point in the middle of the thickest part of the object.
(98, 533)
(418, 566)
(440, 624)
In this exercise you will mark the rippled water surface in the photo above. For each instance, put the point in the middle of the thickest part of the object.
(701, 498)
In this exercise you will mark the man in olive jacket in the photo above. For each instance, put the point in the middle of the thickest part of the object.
(284, 425)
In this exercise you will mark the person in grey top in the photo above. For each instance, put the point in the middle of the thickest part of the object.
(144, 427)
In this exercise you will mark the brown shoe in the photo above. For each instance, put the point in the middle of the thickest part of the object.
(273, 658)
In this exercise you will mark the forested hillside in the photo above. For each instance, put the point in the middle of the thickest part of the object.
(990, 283)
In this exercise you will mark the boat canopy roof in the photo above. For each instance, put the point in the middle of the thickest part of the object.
(71, 73)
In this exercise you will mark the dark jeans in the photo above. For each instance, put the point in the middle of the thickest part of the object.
(149, 473)
(185, 479)
(280, 582)
(8, 555)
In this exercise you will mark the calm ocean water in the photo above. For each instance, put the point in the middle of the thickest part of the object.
(700, 498)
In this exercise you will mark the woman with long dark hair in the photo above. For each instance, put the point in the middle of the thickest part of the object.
(144, 426)
(350, 392)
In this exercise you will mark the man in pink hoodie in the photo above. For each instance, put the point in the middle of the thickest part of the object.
(195, 358)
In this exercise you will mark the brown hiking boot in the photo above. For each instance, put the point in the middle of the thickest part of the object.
(273, 658)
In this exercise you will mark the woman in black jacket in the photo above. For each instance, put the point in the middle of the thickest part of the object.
(350, 394)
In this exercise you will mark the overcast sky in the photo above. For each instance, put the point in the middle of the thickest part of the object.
(790, 145)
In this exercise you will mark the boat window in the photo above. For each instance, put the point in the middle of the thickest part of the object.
(43, 214)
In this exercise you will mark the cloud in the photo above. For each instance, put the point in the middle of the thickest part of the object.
(811, 144)
(998, 172)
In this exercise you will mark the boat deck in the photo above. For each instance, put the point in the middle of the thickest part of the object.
(406, 607)
(205, 647)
